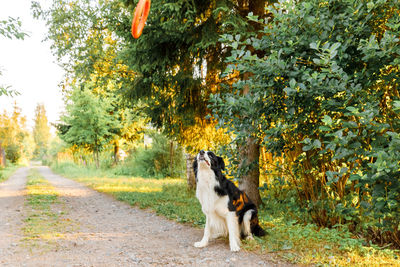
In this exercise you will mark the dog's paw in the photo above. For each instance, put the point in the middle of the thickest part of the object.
(235, 247)
(200, 244)
(250, 237)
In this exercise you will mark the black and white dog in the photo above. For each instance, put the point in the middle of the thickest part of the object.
(228, 210)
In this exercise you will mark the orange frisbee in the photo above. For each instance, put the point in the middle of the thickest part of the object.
(139, 19)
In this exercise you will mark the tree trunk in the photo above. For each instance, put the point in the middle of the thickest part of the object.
(191, 179)
(250, 151)
(116, 152)
(2, 157)
(250, 156)
(96, 158)
(171, 158)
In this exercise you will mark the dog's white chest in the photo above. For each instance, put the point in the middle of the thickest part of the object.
(205, 192)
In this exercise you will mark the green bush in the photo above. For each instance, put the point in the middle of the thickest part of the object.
(13, 153)
(323, 92)
(154, 161)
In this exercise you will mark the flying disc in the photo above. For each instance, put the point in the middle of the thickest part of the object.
(139, 19)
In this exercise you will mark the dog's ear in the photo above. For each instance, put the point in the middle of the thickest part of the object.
(221, 163)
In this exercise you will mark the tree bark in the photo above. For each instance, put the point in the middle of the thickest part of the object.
(249, 159)
(2, 156)
(116, 153)
(191, 179)
(96, 158)
(171, 158)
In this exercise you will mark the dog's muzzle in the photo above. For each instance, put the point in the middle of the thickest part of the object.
(202, 158)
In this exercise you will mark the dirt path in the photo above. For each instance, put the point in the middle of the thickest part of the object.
(11, 205)
(106, 232)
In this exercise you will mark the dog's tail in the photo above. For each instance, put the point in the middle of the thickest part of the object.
(255, 225)
(257, 230)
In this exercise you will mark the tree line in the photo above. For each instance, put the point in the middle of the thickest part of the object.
(18, 144)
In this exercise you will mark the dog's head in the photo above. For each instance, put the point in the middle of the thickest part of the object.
(208, 160)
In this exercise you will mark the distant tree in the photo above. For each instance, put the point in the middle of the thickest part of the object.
(89, 122)
(14, 137)
(41, 132)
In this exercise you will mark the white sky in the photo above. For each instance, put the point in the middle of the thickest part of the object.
(28, 65)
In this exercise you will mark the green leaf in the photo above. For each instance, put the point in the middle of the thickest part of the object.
(317, 144)
(354, 177)
(353, 110)
(324, 128)
(289, 91)
(335, 46)
(314, 46)
(396, 105)
(292, 83)
(327, 120)
(370, 5)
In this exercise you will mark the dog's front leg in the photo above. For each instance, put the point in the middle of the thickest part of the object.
(206, 236)
(233, 228)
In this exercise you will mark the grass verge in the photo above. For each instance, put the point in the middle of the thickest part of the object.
(308, 244)
(296, 243)
(43, 223)
(6, 172)
(167, 197)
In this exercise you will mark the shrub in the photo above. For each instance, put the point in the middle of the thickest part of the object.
(13, 153)
(159, 160)
(323, 92)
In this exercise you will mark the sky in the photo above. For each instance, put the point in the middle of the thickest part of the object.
(28, 65)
